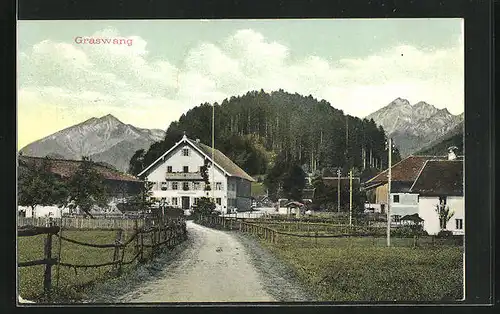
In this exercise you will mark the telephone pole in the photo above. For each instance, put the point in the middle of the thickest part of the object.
(350, 198)
(338, 190)
(389, 194)
(213, 149)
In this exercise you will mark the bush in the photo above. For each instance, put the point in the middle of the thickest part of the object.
(408, 232)
(445, 234)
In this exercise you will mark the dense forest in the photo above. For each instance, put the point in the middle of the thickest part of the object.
(255, 128)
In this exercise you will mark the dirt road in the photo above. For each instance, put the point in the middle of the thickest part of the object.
(211, 266)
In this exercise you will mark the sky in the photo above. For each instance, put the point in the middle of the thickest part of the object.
(171, 66)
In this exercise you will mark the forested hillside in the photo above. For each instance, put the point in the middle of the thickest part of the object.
(255, 128)
(454, 137)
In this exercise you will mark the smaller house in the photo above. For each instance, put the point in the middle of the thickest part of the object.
(120, 185)
(418, 185)
(441, 182)
(411, 220)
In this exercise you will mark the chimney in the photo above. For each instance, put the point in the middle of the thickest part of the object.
(451, 153)
(197, 140)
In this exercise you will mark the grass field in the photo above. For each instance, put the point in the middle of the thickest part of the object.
(72, 284)
(364, 269)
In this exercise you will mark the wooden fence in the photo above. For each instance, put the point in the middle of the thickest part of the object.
(166, 234)
(258, 228)
(81, 223)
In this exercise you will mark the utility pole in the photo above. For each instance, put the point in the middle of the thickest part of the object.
(389, 194)
(338, 190)
(350, 198)
(213, 149)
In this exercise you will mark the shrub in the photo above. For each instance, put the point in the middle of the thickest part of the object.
(407, 232)
(445, 234)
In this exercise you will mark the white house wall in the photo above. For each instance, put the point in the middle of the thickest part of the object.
(194, 161)
(427, 211)
(407, 205)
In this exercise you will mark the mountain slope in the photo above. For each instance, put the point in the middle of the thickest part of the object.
(413, 126)
(105, 139)
(454, 137)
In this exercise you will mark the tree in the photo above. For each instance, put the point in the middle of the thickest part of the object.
(294, 182)
(87, 188)
(320, 192)
(444, 214)
(205, 206)
(137, 162)
(39, 186)
(204, 175)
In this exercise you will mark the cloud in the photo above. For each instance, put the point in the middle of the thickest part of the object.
(83, 80)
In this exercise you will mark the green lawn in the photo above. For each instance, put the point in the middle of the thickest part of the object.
(72, 283)
(364, 269)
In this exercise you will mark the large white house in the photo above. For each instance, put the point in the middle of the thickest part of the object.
(177, 179)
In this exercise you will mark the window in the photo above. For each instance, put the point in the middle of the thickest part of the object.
(201, 168)
(395, 198)
(459, 224)
(164, 186)
(396, 218)
(218, 186)
(185, 169)
(195, 200)
(175, 185)
(196, 185)
(169, 169)
(442, 200)
(185, 186)
(174, 201)
(218, 200)
(185, 152)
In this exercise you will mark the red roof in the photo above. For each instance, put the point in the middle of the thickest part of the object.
(440, 178)
(406, 170)
(66, 168)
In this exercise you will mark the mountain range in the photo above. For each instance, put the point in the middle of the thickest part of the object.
(413, 127)
(104, 139)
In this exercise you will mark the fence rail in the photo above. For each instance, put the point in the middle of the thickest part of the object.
(81, 223)
(162, 233)
(263, 230)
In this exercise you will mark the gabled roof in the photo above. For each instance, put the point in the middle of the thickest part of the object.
(440, 178)
(66, 168)
(406, 170)
(221, 160)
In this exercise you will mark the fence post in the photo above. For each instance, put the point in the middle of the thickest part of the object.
(414, 241)
(47, 276)
(117, 248)
(142, 243)
(316, 238)
(136, 229)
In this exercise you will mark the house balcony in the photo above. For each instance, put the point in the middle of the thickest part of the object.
(192, 176)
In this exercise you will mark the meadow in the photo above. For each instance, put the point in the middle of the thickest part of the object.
(69, 284)
(365, 269)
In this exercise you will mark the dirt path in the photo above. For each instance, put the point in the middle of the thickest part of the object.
(214, 267)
